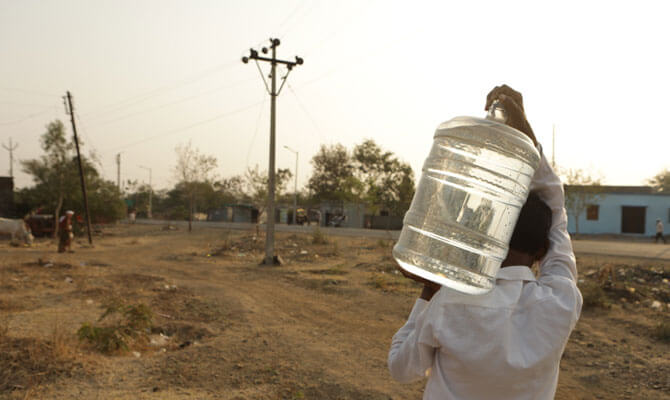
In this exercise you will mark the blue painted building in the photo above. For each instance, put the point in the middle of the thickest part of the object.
(629, 210)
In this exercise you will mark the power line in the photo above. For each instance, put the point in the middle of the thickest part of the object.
(29, 91)
(181, 100)
(309, 115)
(253, 139)
(141, 97)
(27, 117)
(183, 128)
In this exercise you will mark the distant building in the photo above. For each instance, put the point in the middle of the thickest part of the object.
(234, 213)
(6, 196)
(630, 210)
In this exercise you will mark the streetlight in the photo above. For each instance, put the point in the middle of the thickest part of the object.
(150, 192)
(295, 188)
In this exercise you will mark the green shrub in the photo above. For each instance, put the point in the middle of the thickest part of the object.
(318, 237)
(131, 323)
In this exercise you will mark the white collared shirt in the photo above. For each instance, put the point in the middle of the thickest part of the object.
(506, 344)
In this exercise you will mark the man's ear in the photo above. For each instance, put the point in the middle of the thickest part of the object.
(543, 251)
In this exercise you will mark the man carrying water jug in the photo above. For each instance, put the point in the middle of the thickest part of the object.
(507, 343)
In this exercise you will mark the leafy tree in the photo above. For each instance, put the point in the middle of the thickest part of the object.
(661, 182)
(388, 183)
(581, 190)
(333, 176)
(57, 184)
(194, 172)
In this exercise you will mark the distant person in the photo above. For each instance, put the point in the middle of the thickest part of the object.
(65, 232)
(659, 231)
(508, 343)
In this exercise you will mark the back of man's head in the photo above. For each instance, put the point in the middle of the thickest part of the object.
(531, 234)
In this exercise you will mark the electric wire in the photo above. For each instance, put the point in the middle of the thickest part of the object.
(27, 117)
(309, 115)
(181, 100)
(260, 71)
(28, 91)
(183, 128)
(253, 139)
(144, 96)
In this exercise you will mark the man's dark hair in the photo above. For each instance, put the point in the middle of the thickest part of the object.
(531, 234)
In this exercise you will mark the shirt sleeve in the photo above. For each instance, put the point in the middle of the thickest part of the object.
(558, 268)
(413, 346)
(560, 259)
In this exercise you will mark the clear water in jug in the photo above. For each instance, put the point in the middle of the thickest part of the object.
(472, 187)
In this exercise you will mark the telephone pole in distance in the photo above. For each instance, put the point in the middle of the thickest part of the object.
(70, 110)
(11, 149)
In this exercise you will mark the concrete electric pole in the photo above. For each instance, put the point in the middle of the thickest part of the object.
(150, 192)
(270, 258)
(118, 171)
(295, 186)
(11, 149)
(70, 110)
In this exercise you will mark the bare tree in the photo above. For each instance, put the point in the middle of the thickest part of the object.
(581, 190)
(255, 184)
(192, 170)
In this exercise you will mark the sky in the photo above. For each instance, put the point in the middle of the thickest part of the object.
(147, 76)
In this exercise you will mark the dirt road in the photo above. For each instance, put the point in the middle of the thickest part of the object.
(622, 248)
(317, 328)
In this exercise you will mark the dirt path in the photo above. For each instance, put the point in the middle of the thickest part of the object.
(317, 328)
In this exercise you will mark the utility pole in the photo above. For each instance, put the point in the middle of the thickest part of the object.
(70, 111)
(150, 191)
(11, 149)
(295, 186)
(270, 258)
(118, 171)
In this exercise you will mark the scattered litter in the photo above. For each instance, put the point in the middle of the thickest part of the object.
(316, 256)
(170, 287)
(136, 354)
(48, 265)
(159, 340)
(89, 301)
(303, 252)
(656, 305)
(68, 279)
(209, 255)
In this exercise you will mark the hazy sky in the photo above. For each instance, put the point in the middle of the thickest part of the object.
(149, 75)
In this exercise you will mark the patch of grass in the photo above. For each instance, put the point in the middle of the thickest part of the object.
(318, 237)
(131, 323)
(662, 331)
(594, 296)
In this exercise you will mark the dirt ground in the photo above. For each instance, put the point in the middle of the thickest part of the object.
(319, 327)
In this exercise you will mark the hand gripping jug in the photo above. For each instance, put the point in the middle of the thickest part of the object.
(472, 187)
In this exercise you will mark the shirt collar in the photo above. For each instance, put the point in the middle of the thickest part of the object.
(516, 273)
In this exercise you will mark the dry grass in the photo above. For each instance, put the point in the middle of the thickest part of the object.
(318, 237)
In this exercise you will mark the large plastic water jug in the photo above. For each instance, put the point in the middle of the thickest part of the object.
(472, 187)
